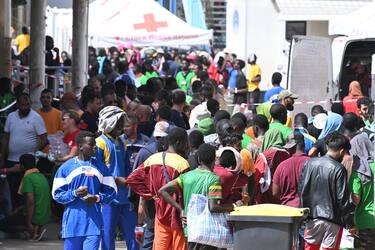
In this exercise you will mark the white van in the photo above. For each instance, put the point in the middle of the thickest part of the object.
(313, 61)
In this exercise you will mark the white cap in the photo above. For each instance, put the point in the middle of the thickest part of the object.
(320, 120)
(161, 129)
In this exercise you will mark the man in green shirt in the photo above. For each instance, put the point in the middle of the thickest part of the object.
(279, 115)
(363, 197)
(198, 181)
(37, 209)
(185, 76)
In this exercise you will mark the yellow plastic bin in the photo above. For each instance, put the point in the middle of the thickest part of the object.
(266, 226)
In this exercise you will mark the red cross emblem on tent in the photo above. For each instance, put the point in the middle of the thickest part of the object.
(150, 24)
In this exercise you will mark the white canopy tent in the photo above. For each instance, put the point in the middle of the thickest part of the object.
(360, 23)
(140, 23)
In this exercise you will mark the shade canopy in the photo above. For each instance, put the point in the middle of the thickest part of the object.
(360, 23)
(140, 23)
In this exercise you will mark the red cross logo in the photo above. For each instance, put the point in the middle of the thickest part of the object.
(150, 24)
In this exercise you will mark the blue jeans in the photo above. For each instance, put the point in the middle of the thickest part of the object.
(82, 243)
(126, 218)
(148, 238)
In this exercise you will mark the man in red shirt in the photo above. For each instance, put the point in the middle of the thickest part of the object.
(150, 176)
(287, 174)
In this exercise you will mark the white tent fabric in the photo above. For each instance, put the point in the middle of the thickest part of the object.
(360, 23)
(140, 23)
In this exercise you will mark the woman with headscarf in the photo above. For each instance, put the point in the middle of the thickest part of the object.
(266, 164)
(332, 124)
(362, 186)
(350, 101)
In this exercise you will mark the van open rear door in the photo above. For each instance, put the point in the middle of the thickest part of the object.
(310, 72)
(373, 78)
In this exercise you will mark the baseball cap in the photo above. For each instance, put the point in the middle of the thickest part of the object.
(206, 126)
(286, 93)
(320, 120)
(161, 129)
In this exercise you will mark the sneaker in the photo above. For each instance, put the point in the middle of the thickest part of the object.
(40, 236)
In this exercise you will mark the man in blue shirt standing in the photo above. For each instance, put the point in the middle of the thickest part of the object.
(271, 94)
(82, 184)
(111, 151)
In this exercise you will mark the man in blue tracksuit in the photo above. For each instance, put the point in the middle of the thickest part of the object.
(82, 184)
(111, 150)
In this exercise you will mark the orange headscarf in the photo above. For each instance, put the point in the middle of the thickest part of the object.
(355, 90)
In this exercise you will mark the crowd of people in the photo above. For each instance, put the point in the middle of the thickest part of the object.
(152, 129)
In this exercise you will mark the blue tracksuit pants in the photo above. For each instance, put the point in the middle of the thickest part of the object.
(82, 243)
(126, 218)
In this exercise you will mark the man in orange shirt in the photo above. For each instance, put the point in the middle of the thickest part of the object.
(52, 119)
(50, 115)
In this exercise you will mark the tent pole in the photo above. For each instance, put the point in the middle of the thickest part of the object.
(5, 38)
(80, 43)
(37, 48)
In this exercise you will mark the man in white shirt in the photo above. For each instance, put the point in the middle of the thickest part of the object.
(25, 133)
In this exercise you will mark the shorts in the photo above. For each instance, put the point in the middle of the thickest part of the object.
(322, 233)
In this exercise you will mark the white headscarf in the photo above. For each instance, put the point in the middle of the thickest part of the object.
(108, 117)
(237, 155)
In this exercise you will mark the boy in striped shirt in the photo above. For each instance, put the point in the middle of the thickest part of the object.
(194, 182)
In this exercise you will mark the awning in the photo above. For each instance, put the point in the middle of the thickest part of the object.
(316, 9)
(140, 23)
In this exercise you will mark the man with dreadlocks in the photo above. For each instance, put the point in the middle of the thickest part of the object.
(111, 150)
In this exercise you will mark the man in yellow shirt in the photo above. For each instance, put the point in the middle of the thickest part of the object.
(287, 99)
(23, 40)
(253, 80)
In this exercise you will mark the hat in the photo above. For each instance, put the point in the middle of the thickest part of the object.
(320, 120)
(160, 51)
(286, 93)
(202, 112)
(206, 126)
(227, 51)
(161, 129)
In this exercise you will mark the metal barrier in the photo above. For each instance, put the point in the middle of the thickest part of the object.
(56, 81)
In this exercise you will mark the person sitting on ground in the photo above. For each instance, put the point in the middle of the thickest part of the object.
(37, 208)
(271, 95)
